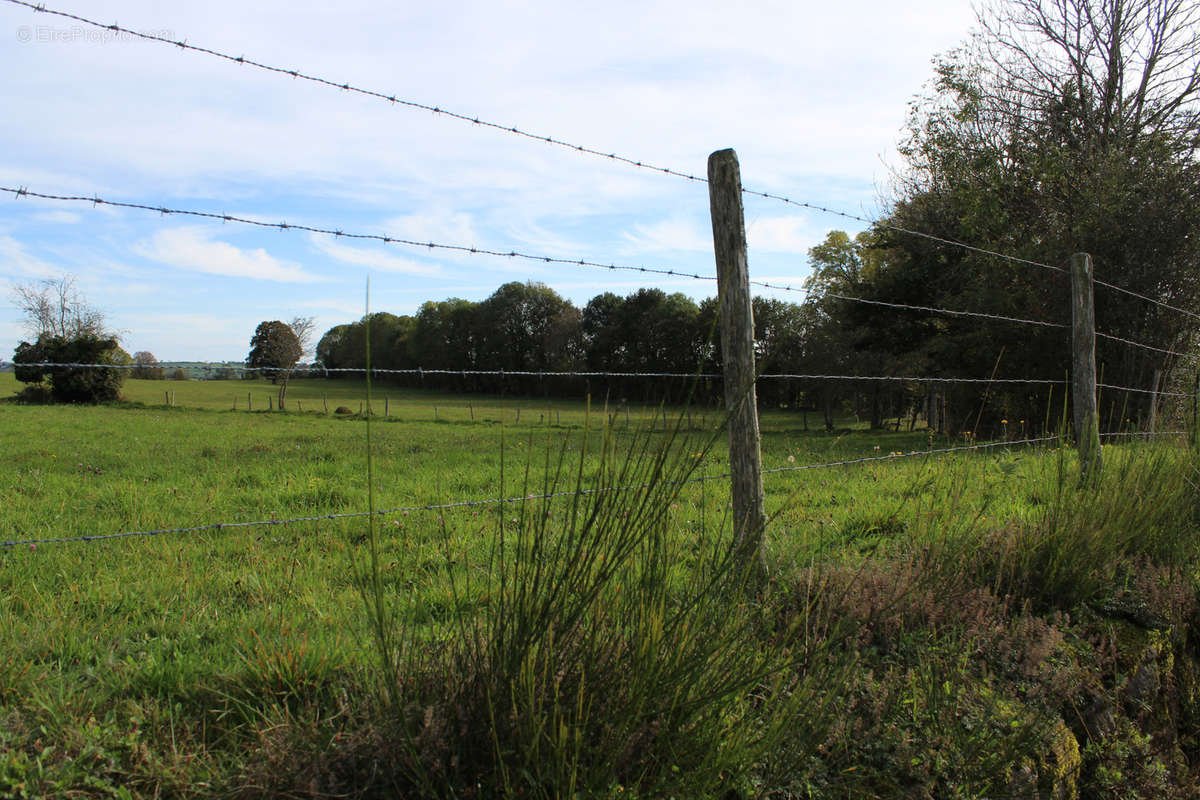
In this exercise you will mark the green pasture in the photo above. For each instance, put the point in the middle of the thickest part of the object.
(203, 636)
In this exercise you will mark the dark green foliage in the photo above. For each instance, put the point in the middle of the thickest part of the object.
(73, 384)
(275, 347)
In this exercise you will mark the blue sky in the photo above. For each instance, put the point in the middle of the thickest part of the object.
(812, 97)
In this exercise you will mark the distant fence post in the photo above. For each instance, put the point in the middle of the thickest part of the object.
(737, 354)
(1153, 424)
(1083, 373)
(1194, 433)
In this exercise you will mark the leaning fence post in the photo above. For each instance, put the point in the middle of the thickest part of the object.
(1083, 373)
(737, 354)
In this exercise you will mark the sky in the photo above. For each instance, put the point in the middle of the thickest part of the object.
(812, 96)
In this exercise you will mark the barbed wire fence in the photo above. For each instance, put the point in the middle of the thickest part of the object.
(1157, 391)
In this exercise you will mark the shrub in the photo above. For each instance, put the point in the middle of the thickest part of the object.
(73, 384)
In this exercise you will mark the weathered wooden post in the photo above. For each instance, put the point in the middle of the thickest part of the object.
(1154, 404)
(1083, 373)
(737, 353)
(325, 402)
(249, 401)
(1194, 433)
(387, 408)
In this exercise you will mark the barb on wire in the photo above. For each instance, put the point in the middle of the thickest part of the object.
(285, 226)
(1174, 353)
(513, 130)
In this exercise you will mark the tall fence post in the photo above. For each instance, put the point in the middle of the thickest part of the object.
(1083, 373)
(737, 354)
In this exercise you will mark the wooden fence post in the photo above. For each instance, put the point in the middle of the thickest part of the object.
(737, 354)
(249, 401)
(1083, 373)
(1154, 404)
(1194, 433)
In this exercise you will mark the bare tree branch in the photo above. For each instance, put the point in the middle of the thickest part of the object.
(56, 307)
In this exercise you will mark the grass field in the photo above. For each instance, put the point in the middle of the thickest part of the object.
(230, 662)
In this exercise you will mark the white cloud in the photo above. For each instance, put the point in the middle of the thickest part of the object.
(794, 234)
(15, 258)
(61, 217)
(444, 228)
(372, 258)
(193, 248)
(668, 234)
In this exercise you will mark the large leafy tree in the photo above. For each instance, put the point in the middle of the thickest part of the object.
(1062, 126)
(275, 348)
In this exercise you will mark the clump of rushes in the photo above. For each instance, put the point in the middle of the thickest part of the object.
(602, 652)
(1142, 507)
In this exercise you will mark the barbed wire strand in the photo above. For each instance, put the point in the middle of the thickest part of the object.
(908, 307)
(283, 226)
(1144, 433)
(308, 371)
(297, 371)
(916, 453)
(1173, 353)
(512, 129)
(1140, 391)
(429, 245)
(1147, 298)
(221, 526)
(910, 379)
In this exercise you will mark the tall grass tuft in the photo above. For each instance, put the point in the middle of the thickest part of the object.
(600, 651)
(1143, 506)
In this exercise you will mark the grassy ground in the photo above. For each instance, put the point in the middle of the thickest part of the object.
(244, 660)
